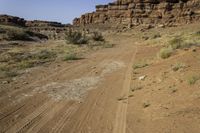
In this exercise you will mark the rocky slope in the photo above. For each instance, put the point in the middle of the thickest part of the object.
(54, 30)
(141, 12)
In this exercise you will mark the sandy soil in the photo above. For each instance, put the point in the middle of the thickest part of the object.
(102, 94)
(55, 98)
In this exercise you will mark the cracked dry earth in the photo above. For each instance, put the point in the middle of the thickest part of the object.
(75, 97)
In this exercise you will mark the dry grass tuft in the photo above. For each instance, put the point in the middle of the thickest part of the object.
(193, 79)
(165, 52)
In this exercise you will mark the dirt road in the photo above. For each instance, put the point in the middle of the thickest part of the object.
(85, 96)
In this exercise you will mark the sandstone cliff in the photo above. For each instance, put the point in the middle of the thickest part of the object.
(141, 12)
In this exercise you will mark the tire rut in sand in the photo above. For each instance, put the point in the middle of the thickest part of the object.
(120, 122)
(63, 121)
(47, 117)
(30, 119)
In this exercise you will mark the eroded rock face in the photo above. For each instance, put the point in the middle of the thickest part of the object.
(53, 30)
(141, 12)
(38, 23)
(11, 20)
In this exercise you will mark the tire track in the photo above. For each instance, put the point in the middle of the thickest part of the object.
(21, 111)
(27, 121)
(85, 116)
(120, 122)
(81, 124)
(12, 112)
(62, 122)
(46, 117)
(16, 92)
(77, 65)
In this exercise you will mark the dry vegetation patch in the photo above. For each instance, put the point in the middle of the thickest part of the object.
(19, 33)
(20, 57)
(193, 79)
(17, 56)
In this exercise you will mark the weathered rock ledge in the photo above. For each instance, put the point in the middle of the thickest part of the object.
(141, 12)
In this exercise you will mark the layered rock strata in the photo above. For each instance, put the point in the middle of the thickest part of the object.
(137, 12)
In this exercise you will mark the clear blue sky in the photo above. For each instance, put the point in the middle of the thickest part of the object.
(54, 10)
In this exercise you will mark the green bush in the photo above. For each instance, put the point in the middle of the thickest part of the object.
(76, 38)
(165, 52)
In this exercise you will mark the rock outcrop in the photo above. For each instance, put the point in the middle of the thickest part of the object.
(38, 23)
(11, 20)
(142, 12)
(53, 30)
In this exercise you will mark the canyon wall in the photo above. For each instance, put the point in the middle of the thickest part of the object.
(141, 12)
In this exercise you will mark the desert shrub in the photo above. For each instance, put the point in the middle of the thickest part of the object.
(165, 52)
(108, 45)
(97, 36)
(179, 43)
(156, 36)
(140, 65)
(176, 43)
(5, 71)
(188, 44)
(25, 64)
(34, 34)
(45, 54)
(18, 35)
(193, 79)
(178, 66)
(10, 74)
(76, 38)
(71, 56)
